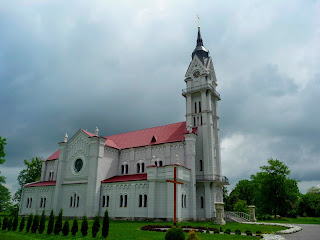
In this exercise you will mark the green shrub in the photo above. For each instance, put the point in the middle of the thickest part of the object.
(95, 226)
(105, 225)
(65, 229)
(207, 231)
(84, 226)
(221, 230)
(58, 225)
(9, 224)
(29, 222)
(42, 222)
(22, 223)
(35, 224)
(175, 233)
(249, 233)
(216, 231)
(74, 228)
(192, 235)
(15, 222)
(50, 223)
(237, 232)
(227, 231)
(0, 223)
(5, 223)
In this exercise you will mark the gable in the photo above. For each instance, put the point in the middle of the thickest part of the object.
(195, 64)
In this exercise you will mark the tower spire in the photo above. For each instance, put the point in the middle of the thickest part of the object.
(200, 50)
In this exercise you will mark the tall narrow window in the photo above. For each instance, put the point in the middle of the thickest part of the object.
(201, 166)
(127, 169)
(71, 201)
(156, 163)
(122, 169)
(41, 202)
(195, 107)
(121, 200)
(140, 200)
(74, 200)
(103, 201)
(107, 201)
(160, 163)
(145, 200)
(125, 200)
(182, 199)
(44, 202)
(28, 202)
(142, 166)
(138, 168)
(201, 202)
(185, 201)
(200, 107)
(52, 176)
(78, 198)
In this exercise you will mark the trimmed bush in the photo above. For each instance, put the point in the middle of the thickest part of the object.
(58, 225)
(35, 224)
(74, 228)
(216, 231)
(207, 231)
(95, 226)
(221, 230)
(15, 222)
(175, 233)
(5, 223)
(29, 222)
(50, 223)
(237, 232)
(0, 223)
(192, 235)
(84, 226)
(249, 233)
(105, 225)
(42, 222)
(65, 229)
(22, 224)
(227, 231)
(9, 224)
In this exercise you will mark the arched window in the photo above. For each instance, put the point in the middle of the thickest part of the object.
(195, 107)
(103, 201)
(127, 168)
(28, 200)
(142, 167)
(121, 200)
(160, 163)
(185, 201)
(140, 200)
(41, 202)
(44, 202)
(199, 106)
(71, 201)
(201, 202)
(138, 167)
(156, 163)
(201, 165)
(145, 200)
(74, 200)
(78, 198)
(122, 169)
(125, 200)
(107, 201)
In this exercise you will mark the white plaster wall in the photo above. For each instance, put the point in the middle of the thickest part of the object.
(50, 165)
(69, 190)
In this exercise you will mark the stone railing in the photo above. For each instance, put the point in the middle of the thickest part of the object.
(231, 215)
(200, 87)
(212, 177)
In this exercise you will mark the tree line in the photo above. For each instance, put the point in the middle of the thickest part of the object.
(273, 192)
(37, 224)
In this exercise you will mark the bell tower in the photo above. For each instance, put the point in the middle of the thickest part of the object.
(202, 112)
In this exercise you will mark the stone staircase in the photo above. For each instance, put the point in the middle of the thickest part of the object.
(236, 217)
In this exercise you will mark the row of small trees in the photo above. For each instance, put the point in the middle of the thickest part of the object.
(37, 223)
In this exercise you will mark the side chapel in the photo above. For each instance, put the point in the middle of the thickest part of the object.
(127, 173)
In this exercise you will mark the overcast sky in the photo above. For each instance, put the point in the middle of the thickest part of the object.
(120, 65)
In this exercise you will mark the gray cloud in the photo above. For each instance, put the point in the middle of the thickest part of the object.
(120, 66)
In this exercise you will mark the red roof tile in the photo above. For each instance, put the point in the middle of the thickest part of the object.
(39, 184)
(126, 178)
(54, 156)
(88, 133)
(163, 134)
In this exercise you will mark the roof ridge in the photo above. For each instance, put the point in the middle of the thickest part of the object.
(145, 129)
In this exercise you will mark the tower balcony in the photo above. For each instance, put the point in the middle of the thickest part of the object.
(212, 178)
(201, 87)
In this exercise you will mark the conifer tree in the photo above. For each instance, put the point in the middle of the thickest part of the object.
(50, 223)
(95, 226)
(22, 224)
(105, 225)
(74, 229)
(4, 223)
(65, 229)
(0, 223)
(58, 225)
(29, 222)
(42, 222)
(84, 226)
(35, 224)
(9, 224)
(15, 222)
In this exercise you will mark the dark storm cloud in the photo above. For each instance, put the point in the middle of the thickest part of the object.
(120, 66)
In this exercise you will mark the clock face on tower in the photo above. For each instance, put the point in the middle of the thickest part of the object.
(196, 74)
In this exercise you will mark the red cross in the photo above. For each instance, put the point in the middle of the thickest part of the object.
(175, 195)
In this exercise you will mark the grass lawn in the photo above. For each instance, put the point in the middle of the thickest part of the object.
(298, 220)
(131, 230)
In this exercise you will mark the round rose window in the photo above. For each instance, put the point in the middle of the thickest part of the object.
(78, 164)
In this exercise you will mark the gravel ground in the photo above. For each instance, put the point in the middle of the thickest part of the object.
(308, 232)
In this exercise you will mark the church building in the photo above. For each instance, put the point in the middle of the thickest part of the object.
(129, 173)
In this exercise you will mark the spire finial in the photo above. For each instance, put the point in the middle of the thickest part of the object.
(65, 138)
(198, 16)
(96, 131)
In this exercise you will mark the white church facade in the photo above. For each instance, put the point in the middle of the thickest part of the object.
(127, 173)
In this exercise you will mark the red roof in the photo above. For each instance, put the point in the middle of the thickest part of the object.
(88, 133)
(163, 134)
(54, 156)
(126, 178)
(39, 184)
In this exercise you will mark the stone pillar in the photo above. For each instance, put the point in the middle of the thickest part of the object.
(252, 213)
(219, 213)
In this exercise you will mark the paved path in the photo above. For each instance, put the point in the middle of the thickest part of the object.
(308, 232)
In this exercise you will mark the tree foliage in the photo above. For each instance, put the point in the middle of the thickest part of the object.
(58, 225)
(241, 206)
(42, 222)
(35, 224)
(84, 226)
(22, 224)
(309, 203)
(5, 196)
(29, 222)
(5, 223)
(50, 223)
(9, 224)
(75, 227)
(65, 229)
(175, 233)
(95, 226)
(31, 173)
(15, 222)
(105, 224)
